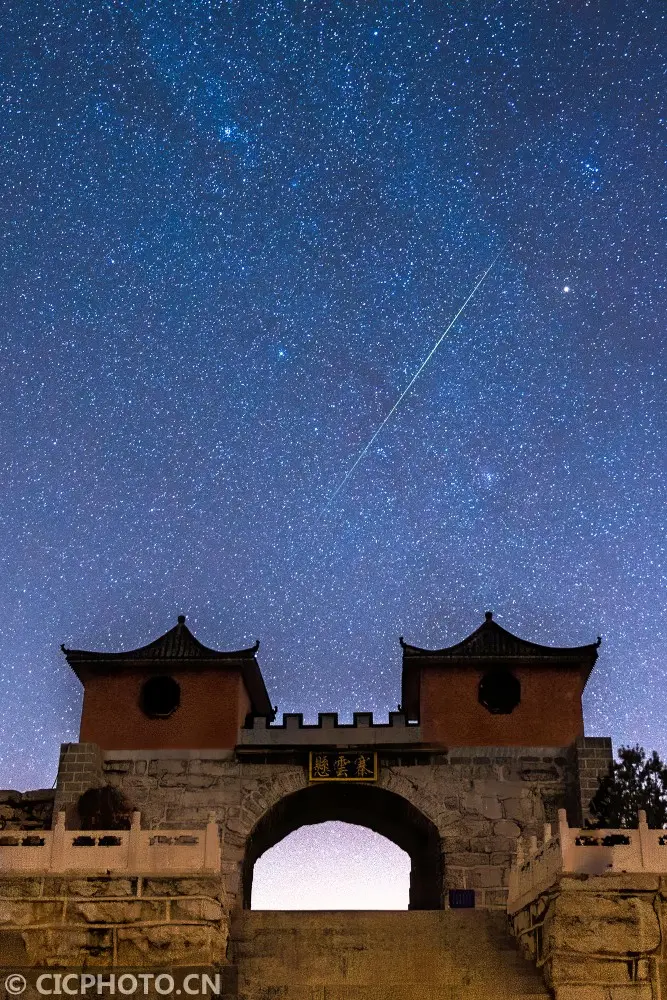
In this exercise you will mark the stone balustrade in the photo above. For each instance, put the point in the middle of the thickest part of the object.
(577, 851)
(111, 852)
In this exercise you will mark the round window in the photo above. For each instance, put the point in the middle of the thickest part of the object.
(499, 692)
(160, 696)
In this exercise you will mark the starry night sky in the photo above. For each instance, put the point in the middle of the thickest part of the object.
(231, 233)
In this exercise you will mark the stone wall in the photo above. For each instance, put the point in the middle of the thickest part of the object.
(480, 800)
(593, 756)
(77, 922)
(599, 937)
(26, 810)
(79, 768)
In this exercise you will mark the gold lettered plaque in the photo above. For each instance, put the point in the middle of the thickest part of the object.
(342, 765)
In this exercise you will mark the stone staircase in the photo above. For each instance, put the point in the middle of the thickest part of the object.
(377, 955)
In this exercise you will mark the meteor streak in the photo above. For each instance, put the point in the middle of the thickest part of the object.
(410, 384)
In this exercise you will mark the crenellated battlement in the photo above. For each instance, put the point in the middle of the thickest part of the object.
(361, 731)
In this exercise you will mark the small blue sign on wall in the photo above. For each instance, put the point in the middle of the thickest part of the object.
(461, 899)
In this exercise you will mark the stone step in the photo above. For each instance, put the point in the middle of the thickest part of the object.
(414, 991)
(380, 955)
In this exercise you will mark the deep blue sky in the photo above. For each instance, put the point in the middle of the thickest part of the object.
(231, 233)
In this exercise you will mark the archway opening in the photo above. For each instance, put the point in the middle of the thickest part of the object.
(377, 809)
(332, 866)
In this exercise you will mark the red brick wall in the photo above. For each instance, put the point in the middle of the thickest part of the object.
(214, 704)
(549, 714)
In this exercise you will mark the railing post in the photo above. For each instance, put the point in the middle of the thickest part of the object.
(134, 843)
(519, 852)
(56, 861)
(564, 837)
(212, 845)
(644, 843)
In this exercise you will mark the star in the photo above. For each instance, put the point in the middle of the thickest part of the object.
(234, 232)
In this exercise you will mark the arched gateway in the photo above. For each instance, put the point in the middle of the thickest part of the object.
(487, 746)
(378, 809)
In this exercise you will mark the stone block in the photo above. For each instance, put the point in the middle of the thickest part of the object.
(482, 878)
(140, 767)
(475, 827)
(457, 843)
(446, 818)
(197, 908)
(496, 898)
(94, 886)
(503, 858)
(213, 766)
(467, 859)
(185, 817)
(643, 968)
(176, 887)
(457, 878)
(135, 786)
(234, 839)
(187, 780)
(238, 825)
(210, 798)
(506, 828)
(581, 992)
(167, 766)
(482, 845)
(520, 808)
(116, 911)
(632, 991)
(13, 952)
(471, 803)
(164, 945)
(117, 766)
(505, 844)
(580, 969)
(622, 882)
(592, 923)
(491, 808)
(29, 913)
(21, 888)
(69, 947)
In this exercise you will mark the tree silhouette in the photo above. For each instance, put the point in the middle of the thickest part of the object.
(104, 808)
(634, 782)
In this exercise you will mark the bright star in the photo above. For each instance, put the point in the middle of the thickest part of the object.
(566, 288)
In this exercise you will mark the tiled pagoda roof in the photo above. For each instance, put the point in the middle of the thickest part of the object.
(492, 640)
(177, 647)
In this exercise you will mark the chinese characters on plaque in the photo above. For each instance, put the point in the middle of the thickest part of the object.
(342, 765)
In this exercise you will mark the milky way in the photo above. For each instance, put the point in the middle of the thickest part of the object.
(230, 233)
